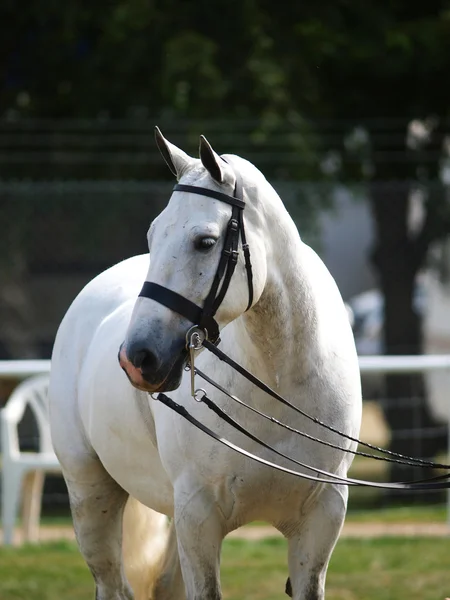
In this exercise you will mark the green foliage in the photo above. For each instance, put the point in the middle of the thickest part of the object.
(349, 63)
(334, 59)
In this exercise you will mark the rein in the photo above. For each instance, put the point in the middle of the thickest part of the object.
(268, 390)
(406, 461)
(200, 395)
(205, 334)
(433, 483)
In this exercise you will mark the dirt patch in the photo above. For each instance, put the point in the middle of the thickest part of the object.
(350, 530)
(356, 530)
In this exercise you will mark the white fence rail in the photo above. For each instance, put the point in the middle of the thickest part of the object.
(19, 369)
(368, 364)
(404, 364)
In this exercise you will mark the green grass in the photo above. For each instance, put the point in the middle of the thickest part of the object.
(377, 569)
(408, 514)
(434, 513)
(44, 572)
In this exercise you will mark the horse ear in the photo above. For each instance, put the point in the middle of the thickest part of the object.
(211, 161)
(176, 159)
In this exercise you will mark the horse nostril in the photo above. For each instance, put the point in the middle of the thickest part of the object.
(144, 360)
(138, 358)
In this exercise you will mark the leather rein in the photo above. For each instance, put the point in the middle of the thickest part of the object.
(205, 334)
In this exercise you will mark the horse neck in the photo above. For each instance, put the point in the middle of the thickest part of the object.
(278, 335)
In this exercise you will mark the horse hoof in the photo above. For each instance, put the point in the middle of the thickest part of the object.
(288, 588)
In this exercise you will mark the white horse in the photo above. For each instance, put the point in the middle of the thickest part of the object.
(129, 461)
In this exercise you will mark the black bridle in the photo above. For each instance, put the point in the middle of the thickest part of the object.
(203, 318)
(203, 321)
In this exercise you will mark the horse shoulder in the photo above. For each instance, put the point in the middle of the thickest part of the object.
(101, 299)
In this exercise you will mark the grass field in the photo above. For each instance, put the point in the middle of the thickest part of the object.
(377, 569)
(435, 513)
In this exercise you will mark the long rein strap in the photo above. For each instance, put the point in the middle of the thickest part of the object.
(431, 484)
(224, 416)
(302, 433)
(268, 390)
(204, 318)
(181, 410)
(200, 395)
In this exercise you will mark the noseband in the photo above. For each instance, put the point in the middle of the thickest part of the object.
(203, 318)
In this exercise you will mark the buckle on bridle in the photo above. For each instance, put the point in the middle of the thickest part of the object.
(233, 253)
(199, 395)
(233, 225)
(195, 337)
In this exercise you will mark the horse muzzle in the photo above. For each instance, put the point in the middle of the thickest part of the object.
(148, 372)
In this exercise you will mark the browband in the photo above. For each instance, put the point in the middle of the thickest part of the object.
(193, 189)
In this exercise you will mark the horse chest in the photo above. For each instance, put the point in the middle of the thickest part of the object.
(120, 428)
(257, 494)
(244, 490)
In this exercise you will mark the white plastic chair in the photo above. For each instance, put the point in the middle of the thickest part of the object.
(24, 472)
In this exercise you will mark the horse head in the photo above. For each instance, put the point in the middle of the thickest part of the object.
(193, 244)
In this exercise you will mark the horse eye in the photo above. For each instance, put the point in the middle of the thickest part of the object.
(205, 243)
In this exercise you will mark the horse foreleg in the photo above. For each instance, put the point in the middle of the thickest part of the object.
(169, 584)
(199, 530)
(311, 543)
(97, 503)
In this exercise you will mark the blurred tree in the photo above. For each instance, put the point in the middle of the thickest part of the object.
(183, 58)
